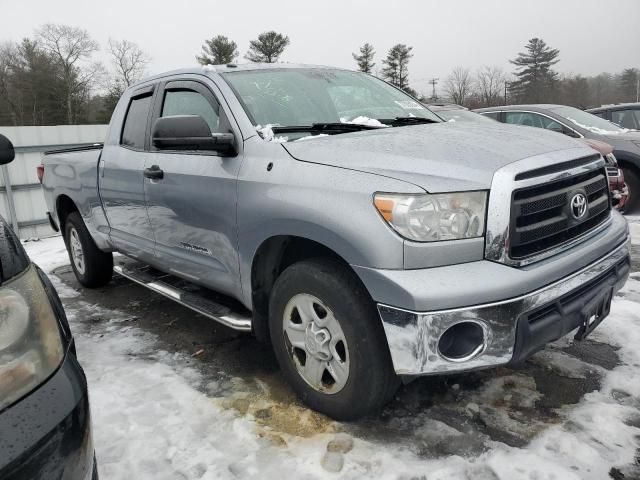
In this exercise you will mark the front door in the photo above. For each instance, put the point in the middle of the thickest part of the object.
(120, 178)
(192, 208)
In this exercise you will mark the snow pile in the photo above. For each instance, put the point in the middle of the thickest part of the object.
(266, 132)
(362, 120)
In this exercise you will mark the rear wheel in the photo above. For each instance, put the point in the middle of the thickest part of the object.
(632, 179)
(92, 267)
(329, 340)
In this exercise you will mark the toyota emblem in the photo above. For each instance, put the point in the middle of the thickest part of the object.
(578, 205)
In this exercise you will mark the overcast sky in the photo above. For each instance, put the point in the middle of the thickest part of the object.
(592, 35)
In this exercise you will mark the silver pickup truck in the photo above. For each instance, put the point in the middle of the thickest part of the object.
(333, 215)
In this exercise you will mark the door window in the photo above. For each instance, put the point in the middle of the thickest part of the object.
(188, 102)
(135, 123)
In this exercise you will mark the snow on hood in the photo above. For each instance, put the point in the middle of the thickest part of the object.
(438, 157)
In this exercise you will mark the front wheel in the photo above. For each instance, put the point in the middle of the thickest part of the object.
(92, 267)
(329, 340)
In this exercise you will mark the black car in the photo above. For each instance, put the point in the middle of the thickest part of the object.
(627, 115)
(45, 427)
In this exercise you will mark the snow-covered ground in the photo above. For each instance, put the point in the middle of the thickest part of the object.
(157, 416)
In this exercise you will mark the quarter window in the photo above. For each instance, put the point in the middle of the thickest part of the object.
(188, 102)
(135, 123)
(626, 118)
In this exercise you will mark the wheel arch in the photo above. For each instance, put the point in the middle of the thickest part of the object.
(64, 206)
(272, 257)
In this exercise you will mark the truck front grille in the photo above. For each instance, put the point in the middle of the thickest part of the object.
(542, 216)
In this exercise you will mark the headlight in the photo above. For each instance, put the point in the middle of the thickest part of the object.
(434, 217)
(30, 343)
(636, 142)
(611, 160)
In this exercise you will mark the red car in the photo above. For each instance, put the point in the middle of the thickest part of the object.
(617, 187)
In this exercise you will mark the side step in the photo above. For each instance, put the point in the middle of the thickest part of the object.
(205, 306)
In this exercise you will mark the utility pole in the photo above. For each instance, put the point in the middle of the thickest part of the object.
(638, 89)
(434, 82)
(506, 85)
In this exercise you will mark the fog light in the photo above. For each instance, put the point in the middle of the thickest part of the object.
(461, 342)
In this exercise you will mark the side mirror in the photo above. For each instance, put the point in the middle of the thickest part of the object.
(190, 132)
(7, 153)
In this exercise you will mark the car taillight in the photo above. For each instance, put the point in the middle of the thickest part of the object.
(40, 172)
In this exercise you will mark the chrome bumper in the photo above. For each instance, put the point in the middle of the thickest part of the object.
(413, 336)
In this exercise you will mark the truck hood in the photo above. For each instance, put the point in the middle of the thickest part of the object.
(439, 157)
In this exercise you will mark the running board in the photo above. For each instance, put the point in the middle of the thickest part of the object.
(198, 303)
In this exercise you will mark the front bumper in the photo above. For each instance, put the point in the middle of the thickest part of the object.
(513, 328)
(47, 434)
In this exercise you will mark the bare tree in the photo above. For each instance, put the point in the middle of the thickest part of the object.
(70, 46)
(459, 85)
(490, 83)
(129, 61)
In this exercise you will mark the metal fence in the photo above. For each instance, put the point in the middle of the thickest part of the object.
(21, 200)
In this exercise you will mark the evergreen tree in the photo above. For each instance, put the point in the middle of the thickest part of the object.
(365, 59)
(218, 51)
(536, 79)
(628, 84)
(267, 48)
(396, 66)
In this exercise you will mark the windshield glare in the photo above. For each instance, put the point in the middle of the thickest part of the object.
(304, 96)
(587, 120)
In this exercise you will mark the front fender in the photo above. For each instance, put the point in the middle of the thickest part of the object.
(330, 205)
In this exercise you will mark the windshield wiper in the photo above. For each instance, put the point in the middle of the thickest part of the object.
(402, 121)
(329, 128)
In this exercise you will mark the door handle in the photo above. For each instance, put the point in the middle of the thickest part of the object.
(154, 172)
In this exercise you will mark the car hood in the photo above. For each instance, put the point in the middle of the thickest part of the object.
(439, 157)
(603, 148)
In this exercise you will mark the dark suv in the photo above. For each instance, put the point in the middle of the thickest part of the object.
(627, 115)
(45, 428)
(577, 123)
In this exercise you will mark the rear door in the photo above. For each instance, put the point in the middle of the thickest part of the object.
(193, 207)
(121, 181)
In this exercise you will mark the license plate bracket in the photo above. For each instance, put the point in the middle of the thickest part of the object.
(594, 313)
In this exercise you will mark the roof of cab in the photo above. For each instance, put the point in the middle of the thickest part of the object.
(232, 67)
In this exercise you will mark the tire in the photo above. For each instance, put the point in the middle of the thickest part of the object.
(632, 179)
(306, 302)
(93, 267)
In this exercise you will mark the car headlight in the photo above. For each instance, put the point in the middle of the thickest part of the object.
(636, 142)
(610, 159)
(30, 342)
(434, 217)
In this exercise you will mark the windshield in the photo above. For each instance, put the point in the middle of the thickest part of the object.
(459, 115)
(307, 96)
(588, 120)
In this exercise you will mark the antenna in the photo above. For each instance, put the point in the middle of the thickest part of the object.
(434, 82)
